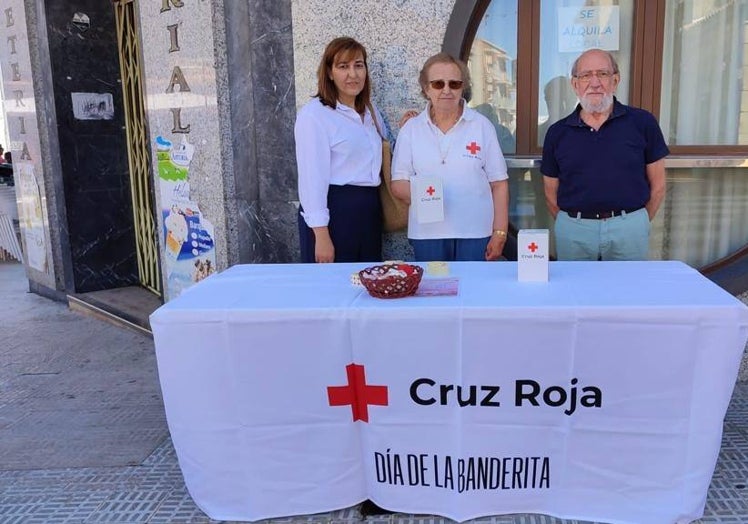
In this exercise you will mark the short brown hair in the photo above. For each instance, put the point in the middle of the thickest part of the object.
(445, 58)
(343, 47)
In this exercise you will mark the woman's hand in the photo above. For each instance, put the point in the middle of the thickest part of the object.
(495, 247)
(500, 226)
(324, 251)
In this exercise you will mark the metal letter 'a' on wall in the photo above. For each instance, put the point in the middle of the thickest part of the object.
(146, 235)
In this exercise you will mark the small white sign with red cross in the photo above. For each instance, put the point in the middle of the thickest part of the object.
(427, 194)
(532, 255)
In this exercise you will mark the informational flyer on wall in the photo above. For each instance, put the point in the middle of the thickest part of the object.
(30, 215)
(189, 249)
(93, 106)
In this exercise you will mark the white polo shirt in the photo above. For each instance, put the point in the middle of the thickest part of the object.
(333, 146)
(471, 160)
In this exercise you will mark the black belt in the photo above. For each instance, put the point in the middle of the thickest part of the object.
(599, 215)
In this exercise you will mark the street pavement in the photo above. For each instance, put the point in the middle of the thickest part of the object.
(83, 437)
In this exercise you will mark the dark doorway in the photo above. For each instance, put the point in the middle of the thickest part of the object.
(93, 145)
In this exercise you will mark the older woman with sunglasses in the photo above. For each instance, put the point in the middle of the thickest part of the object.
(339, 157)
(458, 146)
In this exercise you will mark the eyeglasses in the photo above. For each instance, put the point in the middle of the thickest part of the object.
(586, 76)
(453, 84)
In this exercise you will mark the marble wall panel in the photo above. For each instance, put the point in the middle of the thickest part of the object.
(90, 116)
(261, 119)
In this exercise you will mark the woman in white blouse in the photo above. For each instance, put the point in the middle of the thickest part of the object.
(339, 157)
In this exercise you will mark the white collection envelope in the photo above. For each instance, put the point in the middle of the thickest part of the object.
(532, 255)
(428, 197)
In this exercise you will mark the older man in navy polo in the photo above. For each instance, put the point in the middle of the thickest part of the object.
(603, 169)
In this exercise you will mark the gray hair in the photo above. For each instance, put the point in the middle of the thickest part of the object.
(611, 58)
(445, 58)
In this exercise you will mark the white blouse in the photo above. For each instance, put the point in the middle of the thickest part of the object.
(334, 147)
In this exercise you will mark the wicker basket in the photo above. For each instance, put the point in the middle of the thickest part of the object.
(391, 286)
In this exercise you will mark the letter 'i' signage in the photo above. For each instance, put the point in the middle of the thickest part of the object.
(20, 112)
(16, 100)
(177, 76)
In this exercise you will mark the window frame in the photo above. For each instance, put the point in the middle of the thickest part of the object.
(645, 87)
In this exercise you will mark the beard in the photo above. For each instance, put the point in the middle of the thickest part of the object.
(600, 107)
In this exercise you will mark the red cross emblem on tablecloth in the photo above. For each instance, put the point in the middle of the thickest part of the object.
(431, 190)
(357, 393)
(533, 247)
(472, 147)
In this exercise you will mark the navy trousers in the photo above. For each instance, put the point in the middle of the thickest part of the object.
(355, 225)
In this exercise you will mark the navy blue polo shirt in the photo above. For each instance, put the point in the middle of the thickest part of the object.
(603, 170)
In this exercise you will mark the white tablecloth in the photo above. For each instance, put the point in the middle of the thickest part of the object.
(599, 395)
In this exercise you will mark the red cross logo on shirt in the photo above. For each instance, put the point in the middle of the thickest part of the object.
(472, 147)
(533, 247)
(357, 393)
(431, 190)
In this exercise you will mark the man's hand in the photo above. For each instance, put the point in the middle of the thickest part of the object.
(550, 186)
(657, 186)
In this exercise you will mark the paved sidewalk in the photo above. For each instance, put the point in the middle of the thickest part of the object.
(83, 437)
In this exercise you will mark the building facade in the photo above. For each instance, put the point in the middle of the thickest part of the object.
(153, 139)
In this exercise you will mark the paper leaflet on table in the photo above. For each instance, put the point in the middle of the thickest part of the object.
(438, 287)
(437, 268)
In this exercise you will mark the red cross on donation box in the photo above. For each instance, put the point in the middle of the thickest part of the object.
(357, 393)
(532, 257)
(473, 147)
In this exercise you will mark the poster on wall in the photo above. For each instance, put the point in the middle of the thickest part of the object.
(30, 215)
(93, 106)
(189, 249)
(581, 28)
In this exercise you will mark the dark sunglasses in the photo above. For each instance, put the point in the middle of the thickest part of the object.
(453, 84)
